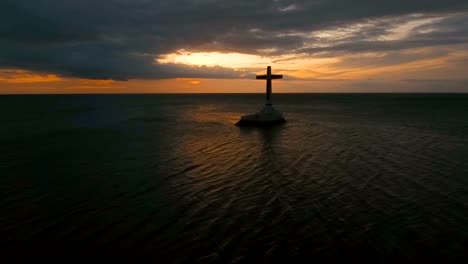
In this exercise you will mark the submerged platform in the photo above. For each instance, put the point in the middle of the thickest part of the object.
(268, 116)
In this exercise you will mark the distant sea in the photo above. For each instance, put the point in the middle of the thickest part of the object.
(367, 177)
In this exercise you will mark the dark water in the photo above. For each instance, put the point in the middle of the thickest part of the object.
(367, 177)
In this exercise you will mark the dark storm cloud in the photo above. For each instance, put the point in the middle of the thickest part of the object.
(119, 39)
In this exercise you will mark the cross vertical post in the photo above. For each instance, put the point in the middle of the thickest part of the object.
(268, 77)
(268, 88)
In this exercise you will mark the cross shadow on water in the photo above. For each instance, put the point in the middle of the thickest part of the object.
(265, 139)
(268, 134)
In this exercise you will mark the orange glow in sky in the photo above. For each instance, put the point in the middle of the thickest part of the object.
(24, 77)
(344, 73)
(412, 49)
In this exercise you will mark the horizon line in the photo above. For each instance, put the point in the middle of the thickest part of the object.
(234, 93)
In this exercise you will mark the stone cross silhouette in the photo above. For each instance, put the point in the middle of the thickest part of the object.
(268, 115)
(269, 77)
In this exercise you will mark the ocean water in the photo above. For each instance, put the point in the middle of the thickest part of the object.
(379, 177)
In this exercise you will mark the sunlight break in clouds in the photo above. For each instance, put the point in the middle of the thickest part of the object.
(230, 60)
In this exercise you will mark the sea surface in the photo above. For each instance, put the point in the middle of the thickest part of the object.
(378, 177)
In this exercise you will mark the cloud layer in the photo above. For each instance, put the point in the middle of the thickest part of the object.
(120, 39)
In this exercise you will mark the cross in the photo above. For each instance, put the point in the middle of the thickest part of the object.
(269, 77)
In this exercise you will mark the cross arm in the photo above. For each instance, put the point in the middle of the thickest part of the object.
(276, 76)
(273, 76)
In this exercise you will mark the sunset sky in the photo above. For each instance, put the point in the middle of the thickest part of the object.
(211, 46)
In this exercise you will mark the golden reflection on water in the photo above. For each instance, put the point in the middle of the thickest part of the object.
(219, 155)
(213, 113)
(222, 149)
(217, 146)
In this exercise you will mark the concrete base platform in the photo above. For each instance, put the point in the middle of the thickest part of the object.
(266, 117)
